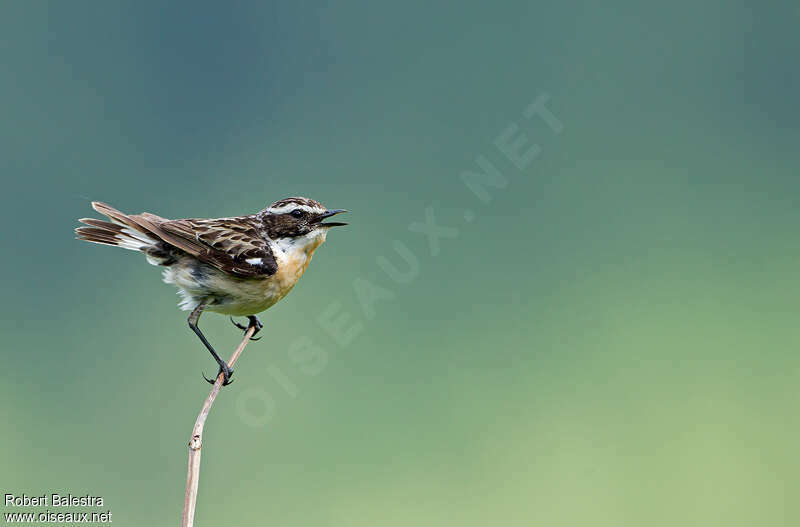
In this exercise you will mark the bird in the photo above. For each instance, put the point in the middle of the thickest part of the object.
(236, 266)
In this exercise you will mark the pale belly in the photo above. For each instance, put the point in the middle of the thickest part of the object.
(235, 296)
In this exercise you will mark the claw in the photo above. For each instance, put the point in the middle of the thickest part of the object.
(243, 328)
(226, 376)
(254, 323)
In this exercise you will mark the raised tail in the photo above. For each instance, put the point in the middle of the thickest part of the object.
(120, 231)
(123, 231)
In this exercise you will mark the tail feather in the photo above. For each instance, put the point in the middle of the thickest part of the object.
(92, 233)
(101, 224)
(117, 216)
(121, 231)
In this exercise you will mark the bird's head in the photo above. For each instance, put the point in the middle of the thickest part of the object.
(299, 221)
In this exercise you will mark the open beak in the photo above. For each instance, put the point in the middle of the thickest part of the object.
(328, 214)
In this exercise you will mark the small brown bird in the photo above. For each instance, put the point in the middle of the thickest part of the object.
(236, 266)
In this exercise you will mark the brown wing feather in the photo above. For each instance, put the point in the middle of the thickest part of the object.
(225, 243)
(230, 242)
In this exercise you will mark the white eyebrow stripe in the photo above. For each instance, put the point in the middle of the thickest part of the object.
(254, 261)
(291, 206)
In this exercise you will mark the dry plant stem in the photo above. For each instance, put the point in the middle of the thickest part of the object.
(196, 441)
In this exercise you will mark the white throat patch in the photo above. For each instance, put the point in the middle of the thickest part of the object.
(298, 245)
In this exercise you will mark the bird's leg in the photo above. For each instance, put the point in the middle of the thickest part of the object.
(254, 323)
(224, 369)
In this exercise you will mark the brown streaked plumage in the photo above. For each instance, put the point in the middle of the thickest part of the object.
(238, 266)
(225, 243)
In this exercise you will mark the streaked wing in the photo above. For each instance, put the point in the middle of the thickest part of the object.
(233, 245)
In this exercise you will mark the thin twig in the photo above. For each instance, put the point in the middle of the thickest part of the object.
(196, 441)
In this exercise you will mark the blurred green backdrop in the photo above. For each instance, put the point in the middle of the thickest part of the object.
(612, 340)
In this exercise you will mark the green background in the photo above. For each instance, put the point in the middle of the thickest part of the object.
(611, 341)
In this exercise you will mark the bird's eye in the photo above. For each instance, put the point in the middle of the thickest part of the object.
(297, 213)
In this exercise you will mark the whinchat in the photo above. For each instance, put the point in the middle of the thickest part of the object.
(237, 266)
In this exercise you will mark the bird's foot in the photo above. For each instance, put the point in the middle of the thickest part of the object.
(226, 372)
(254, 323)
